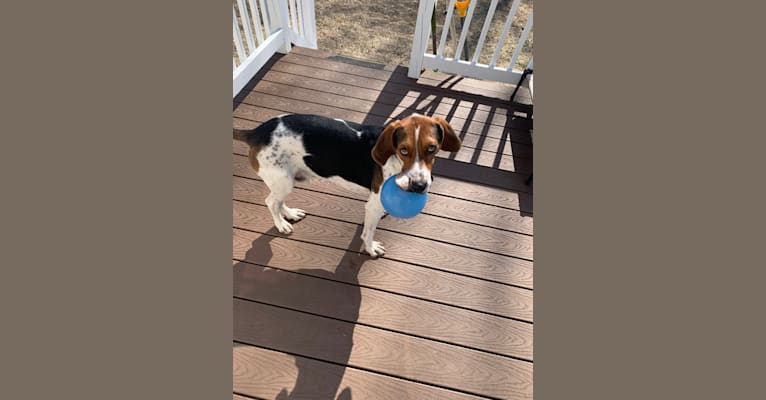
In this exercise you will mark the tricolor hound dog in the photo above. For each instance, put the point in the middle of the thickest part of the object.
(297, 147)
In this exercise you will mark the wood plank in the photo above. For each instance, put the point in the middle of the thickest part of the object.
(354, 304)
(495, 90)
(441, 185)
(506, 180)
(438, 317)
(389, 275)
(266, 373)
(352, 210)
(466, 155)
(401, 247)
(487, 88)
(516, 182)
(462, 124)
(331, 61)
(452, 168)
(424, 225)
(260, 107)
(374, 349)
(401, 89)
(471, 140)
(487, 158)
(498, 117)
(414, 98)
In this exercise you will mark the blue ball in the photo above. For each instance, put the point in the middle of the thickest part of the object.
(401, 203)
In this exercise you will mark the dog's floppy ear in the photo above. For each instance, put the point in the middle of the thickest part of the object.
(449, 140)
(384, 147)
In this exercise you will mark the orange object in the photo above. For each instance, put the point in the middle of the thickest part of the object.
(462, 7)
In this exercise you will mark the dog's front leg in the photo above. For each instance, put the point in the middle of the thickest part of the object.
(373, 212)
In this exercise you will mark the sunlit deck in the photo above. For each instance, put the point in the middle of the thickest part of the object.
(447, 313)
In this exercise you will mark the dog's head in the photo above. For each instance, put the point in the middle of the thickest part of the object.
(415, 140)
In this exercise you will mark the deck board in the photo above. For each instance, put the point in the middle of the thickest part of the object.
(321, 380)
(470, 139)
(391, 353)
(383, 274)
(498, 156)
(424, 225)
(464, 121)
(408, 99)
(401, 247)
(496, 218)
(494, 115)
(447, 313)
(441, 186)
(313, 103)
(441, 82)
(438, 80)
(351, 303)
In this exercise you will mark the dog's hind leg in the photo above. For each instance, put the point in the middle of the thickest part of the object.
(280, 183)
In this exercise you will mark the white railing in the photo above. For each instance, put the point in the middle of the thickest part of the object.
(268, 27)
(462, 62)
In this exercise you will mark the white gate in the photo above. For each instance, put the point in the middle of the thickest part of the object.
(470, 67)
(268, 26)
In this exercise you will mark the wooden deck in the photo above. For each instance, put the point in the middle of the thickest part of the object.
(447, 313)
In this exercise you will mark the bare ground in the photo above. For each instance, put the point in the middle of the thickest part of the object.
(382, 31)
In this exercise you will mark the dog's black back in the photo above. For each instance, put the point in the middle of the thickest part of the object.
(334, 147)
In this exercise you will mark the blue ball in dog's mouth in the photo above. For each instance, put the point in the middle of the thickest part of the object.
(399, 202)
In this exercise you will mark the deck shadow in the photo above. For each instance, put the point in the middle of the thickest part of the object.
(312, 341)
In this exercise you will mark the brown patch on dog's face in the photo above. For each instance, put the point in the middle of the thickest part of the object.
(415, 140)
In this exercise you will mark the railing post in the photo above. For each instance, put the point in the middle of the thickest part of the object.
(420, 38)
(272, 11)
(309, 23)
(284, 14)
(278, 14)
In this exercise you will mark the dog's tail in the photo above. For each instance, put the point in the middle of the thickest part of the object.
(241, 135)
(259, 136)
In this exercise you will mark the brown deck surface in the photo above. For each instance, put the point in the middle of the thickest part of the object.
(447, 312)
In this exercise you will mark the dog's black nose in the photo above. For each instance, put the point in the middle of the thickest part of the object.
(417, 187)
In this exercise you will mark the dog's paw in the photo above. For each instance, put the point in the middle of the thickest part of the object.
(284, 227)
(293, 214)
(375, 249)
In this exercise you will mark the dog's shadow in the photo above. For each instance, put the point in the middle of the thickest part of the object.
(308, 287)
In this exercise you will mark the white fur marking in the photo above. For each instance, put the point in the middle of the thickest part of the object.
(284, 155)
(358, 133)
(416, 173)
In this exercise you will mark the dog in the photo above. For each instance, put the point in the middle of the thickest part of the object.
(300, 147)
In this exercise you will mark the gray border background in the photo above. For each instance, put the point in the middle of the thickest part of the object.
(116, 166)
(648, 200)
(116, 181)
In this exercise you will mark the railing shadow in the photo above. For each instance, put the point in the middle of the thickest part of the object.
(478, 161)
(331, 345)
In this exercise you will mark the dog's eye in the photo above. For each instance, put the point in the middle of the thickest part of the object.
(404, 151)
(431, 149)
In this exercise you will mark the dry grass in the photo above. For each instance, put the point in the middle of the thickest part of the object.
(382, 31)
